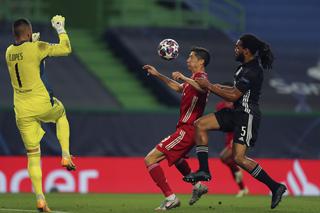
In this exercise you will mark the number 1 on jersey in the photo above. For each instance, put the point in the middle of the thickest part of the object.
(18, 75)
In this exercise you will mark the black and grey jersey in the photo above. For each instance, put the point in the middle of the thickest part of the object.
(248, 79)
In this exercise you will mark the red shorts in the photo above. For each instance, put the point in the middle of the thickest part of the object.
(178, 144)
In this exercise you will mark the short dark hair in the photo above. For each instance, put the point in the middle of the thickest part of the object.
(254, 44)
(202, 53)
(20, 25)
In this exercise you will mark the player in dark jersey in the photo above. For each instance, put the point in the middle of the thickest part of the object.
(175, 147)
(255, 56)
(226, 156)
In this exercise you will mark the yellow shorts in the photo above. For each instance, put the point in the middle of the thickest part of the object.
(30, 127)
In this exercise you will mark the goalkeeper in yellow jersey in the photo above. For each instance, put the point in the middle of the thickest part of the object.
(33, 101)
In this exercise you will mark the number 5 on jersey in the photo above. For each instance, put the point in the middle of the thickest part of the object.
(243, 131)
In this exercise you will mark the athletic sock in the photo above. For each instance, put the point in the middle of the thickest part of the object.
(35, 173)
(232, 165)
(183, 167)
(202, 153)
(259, 174)
(63, 134)
(241, 185)
(158, 177)
(234, 170)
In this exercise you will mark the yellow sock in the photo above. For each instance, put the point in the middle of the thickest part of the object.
(63, 134)
(35, 173)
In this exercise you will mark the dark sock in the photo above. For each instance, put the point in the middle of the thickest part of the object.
(183, 167)
(259, 174)
(202, 153)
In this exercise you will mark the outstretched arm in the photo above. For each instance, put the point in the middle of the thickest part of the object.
(179, 76)
(227, 93)
(63, 48)
(169, 82)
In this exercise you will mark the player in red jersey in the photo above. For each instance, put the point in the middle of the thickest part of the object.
(175, 147)
(226, 154)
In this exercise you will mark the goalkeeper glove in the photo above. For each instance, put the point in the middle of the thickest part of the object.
(58, 24)
(35, 37)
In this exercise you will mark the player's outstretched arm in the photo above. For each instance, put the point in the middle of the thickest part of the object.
(179, 76)
(170, 83)
(227, 93)
(63, 48)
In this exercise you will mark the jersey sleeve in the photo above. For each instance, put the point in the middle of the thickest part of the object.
(63, 48)
(245, 82)
(200, 75)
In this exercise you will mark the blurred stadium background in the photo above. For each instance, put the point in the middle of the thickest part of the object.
(117, 113)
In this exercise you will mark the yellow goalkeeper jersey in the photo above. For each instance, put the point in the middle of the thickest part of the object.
(26, 68)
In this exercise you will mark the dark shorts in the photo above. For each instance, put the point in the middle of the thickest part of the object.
(178, 144)
(244, 125)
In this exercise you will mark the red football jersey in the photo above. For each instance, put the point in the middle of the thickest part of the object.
(224, 104)
(193, 102)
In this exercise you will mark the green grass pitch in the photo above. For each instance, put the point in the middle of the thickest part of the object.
(143, 203)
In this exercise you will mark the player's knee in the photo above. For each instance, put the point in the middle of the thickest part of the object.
(149, 160)
(199, 125)
(146, 161)
(196, 124)
(62, 116)
(239, 159)
(223, 158)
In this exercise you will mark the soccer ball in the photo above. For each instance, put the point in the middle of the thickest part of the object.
(168, 49)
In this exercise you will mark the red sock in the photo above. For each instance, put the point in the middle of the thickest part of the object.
(158, 177)
(234, 168)
(241, 185)
(183, 167)
(231, 164)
